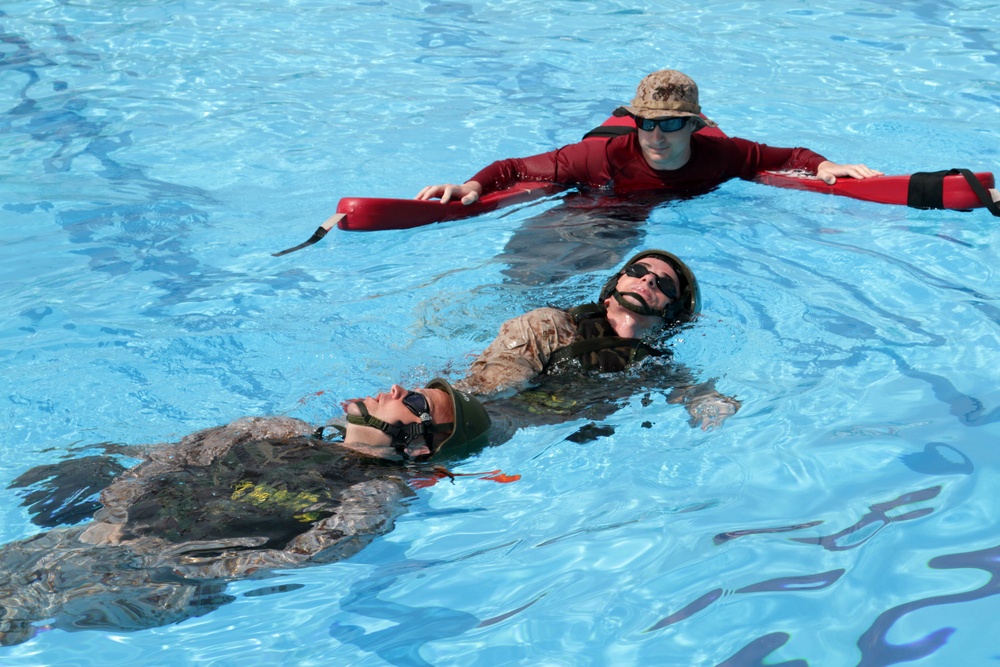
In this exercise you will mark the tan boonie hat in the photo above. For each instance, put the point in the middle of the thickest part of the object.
(668, 93)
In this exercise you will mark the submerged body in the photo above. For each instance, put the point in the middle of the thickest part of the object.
(225, 503)
(237, 501)
(240, 501)
(528, 345)
(639, 306)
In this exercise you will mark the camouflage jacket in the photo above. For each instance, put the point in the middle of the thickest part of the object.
(530, 344)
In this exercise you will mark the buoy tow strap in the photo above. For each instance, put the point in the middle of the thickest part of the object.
(926, 190)
(612, 131)
(317, 235)
(609, 131)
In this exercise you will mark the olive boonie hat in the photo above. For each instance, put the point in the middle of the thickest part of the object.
(471, 421)
(688, 301)
(668, 93)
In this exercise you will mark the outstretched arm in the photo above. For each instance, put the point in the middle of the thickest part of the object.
(761, 157)
(567, 166)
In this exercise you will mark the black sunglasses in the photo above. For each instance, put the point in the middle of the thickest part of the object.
(416, 403)
(665, 284)
(671, 124)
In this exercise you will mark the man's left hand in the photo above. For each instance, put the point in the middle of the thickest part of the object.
(829, 171)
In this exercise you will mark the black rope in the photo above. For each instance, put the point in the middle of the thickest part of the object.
(981, 192)
(317, 235)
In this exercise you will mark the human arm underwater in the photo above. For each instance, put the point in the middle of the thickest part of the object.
(706, 406)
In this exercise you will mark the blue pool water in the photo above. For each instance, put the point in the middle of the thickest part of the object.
(156, 152)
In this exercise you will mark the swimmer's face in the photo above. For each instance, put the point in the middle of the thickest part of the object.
(646, 286)
(666, 150)
(390, 407)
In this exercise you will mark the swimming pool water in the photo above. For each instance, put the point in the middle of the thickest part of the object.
(156, 152)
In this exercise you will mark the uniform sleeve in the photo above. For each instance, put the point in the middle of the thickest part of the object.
(583, 163)
(761, 157)
(520, 351)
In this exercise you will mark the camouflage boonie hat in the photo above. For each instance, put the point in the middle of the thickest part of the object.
(668, 93)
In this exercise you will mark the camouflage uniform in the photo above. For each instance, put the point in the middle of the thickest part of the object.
(227, 502)
(530, 344)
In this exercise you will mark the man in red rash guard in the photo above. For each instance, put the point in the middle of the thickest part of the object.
(663, 154)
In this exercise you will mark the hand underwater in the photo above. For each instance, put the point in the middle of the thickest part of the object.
(710, 411)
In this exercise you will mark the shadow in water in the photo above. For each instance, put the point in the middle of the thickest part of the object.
(584, 233)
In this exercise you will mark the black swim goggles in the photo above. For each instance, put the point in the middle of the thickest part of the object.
(665, 284)
(671, 124)
(402, 435)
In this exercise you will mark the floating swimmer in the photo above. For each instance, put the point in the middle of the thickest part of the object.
(653, 292)
(232, 502)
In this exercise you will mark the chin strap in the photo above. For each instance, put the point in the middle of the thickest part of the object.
(642, 308)
(401, 435)
(669, 314)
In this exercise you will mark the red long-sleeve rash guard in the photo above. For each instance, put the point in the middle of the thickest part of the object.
(617, 165)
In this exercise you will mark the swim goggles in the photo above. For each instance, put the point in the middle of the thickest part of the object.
(665, 284)
(671, 124)
(416, 403)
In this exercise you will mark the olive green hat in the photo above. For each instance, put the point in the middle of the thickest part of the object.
(471, 420)
(688, 301)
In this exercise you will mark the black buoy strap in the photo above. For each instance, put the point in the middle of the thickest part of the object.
(985, 196)
(317, 235)
(926, 190)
